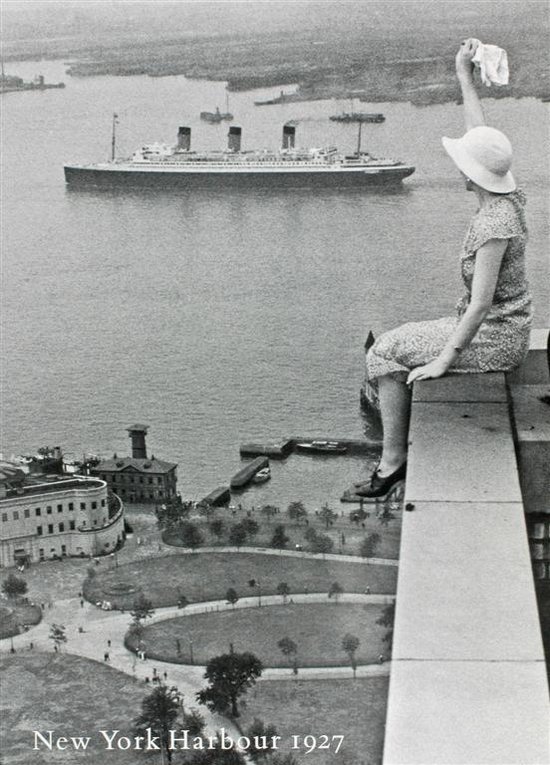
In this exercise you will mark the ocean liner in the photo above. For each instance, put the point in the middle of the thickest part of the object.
(163, 165)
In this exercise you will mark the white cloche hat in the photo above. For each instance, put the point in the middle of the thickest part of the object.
(484, 154)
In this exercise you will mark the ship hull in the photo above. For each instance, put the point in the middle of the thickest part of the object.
(93, 176)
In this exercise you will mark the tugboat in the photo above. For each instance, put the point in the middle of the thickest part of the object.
(215, 117)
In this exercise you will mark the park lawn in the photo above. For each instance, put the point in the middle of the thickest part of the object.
(15, 614)
(355, 709)
(207, 576)
(346, 535)
(71, 696)
(316, 628)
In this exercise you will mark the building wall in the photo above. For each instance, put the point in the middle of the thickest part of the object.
(538, 531)
(133, 486)
(58, 519)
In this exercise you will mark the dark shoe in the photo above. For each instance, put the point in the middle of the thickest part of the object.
(378, 486)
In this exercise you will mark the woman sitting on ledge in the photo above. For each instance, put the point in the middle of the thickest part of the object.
(490, 332)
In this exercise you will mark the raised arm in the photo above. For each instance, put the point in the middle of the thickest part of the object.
(473, 113)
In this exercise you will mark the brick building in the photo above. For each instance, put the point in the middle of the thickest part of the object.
(138, 478)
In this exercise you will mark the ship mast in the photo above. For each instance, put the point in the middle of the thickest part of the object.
(113, 137)
(359, 138)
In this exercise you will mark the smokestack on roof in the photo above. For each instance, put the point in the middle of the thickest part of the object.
(184, 138)
(289, 134)
(234, 139)
(137, 434)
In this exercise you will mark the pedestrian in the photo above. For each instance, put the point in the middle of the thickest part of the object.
(81, 602)
(165, 675)
(106, 656)
(381, 658)
(154, 672)
(367, 590)
(108, 643)
(146, 679)
(55, 648)
(31, 645)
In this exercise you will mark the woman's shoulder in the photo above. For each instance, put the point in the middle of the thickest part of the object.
(502, 218)
(510, 204)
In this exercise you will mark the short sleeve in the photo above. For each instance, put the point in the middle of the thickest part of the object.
(502, 220)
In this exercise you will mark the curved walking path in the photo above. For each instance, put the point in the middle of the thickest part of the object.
(99, 627)
(289, 553)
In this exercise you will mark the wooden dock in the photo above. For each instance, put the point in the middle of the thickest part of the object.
(219, 496)
(276, 451)
(246, 474)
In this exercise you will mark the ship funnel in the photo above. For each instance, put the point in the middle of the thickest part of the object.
(234, 139)
(184, 138)
(289, 134)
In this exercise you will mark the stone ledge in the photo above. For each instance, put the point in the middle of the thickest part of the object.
(488, 387)
(469, 595)
(461, 452)
(467, 713)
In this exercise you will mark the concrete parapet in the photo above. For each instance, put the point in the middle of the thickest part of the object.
(468, 680)
(532, 423)
(534, 370)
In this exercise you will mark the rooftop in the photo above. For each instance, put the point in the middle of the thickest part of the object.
(141, 464)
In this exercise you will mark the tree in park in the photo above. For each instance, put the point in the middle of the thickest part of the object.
(335, 591)
(288, 648)
(258, 733)
(237, 535)
(386, 620)
(296, 511)
(350, 644)
(229, 676)
(310, 534)
(215, 755)
(159, 711)
(231, 596)
(171, 513)
(284, 590)
(217, 527)
(194, 722)
(322, 544)
(328, 515)
(369, 545)
(269, 511)
(279, 540)
(190, 535)
(14, 587)
(142, 608)
(250, 526)
(57, 634)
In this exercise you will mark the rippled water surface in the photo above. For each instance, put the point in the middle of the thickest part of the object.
(219, 317)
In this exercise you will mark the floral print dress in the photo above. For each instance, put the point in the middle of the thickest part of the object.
(502, 340)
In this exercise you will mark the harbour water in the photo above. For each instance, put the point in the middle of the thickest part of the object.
(220, 317)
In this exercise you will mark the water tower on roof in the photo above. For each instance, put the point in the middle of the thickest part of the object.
(137, 434)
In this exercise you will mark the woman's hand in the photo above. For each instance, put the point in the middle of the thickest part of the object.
(431, 371)
(464, 56)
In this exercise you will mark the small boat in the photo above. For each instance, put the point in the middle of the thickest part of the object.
(215, 117)
(262, 475)
(322, 447)
(358, 117)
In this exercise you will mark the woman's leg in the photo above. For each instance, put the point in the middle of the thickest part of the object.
(395, 408)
